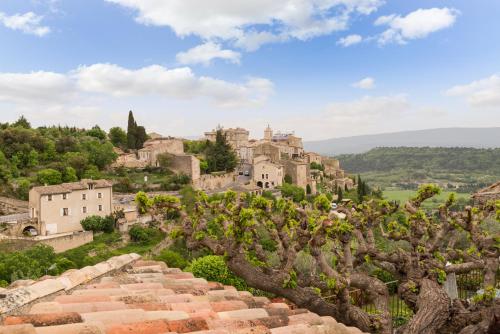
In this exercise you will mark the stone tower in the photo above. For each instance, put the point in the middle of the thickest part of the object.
(268, 133)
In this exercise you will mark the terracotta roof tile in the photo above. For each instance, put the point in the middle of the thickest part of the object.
(127, 295)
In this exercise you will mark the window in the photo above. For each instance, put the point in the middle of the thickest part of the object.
(267, 176)
(49, 198)
(84, 209)
(65, 212)
(65, 196)
(99, 195)
(84, 197)
(91, 186)
(100, 207)
(262, 176)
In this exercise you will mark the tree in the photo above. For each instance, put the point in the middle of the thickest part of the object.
(69, 175)
(118, 137)
(98, 224)
(131, 131)
(297, 194)
(337, 251)
(308, 189)
(140, 137)
(49, 176)
(288, 179)
(220, 155)
(22, 122)
(97, 132)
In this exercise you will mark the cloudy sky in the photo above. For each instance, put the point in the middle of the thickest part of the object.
(323, 68)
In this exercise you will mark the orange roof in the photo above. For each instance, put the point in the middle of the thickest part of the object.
(126, 295)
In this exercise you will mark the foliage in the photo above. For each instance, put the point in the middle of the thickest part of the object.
(294, 192)
(118, 137)
(142, 234)
(172, 259)
(317, 166)
(99, 224)
(288, 179)
(49, 176)
(136, 135)
(214, 268)
(220, 155)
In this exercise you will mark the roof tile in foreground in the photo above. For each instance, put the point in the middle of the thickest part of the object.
(127, 295)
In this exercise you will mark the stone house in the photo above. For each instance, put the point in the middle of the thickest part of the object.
(311, 157)
(235, 137)
(154, 147)
(60, 208)
(266, 174)
(491, 193)
(298, 171)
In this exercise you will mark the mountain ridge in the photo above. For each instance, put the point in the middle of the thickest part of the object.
(438, 137)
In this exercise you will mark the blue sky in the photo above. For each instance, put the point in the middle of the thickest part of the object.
(323, 68)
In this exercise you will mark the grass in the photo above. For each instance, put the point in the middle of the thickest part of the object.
(404, 195)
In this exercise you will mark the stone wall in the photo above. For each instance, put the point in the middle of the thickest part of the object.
(186, 164)
(213, 182)
(9, 206)
(60, 243)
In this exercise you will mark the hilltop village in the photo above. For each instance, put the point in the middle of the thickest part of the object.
(264, 164)
(54, 211)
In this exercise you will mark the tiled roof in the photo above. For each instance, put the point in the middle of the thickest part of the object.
(149, 298)
(69, 187)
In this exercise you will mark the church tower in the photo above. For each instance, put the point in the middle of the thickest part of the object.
(268, 133)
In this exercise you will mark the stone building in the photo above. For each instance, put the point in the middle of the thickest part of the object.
(311, 157)
(268, 149)
(235, 137)
(298, 171)
(491, 193)
(154, 147)
(266, 174)
(60, 208)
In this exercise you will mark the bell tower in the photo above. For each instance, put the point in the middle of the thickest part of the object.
(268, 133)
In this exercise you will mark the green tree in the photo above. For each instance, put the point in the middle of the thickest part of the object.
(69, 175)
(100, 154)
(22, 122)
(23, 188)
(92, 172)
(141, 137)
(131, 131)
(288, 179)
(118, 137)
(297, 194)
(97, 132)
(49, 176)
(220, 155)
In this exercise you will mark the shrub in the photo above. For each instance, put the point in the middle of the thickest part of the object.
(142, 234)
(214, 268)
(172, 259)
(297, 194)
(49, 176)
(98, 224)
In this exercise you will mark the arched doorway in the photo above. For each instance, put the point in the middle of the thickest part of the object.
(30, 231)
(259, 184)
(267, 185)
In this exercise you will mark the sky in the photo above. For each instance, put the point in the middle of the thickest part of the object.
(320, 68)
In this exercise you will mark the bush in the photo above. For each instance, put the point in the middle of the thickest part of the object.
(49, 176)
(297, 194)
(214, 268)
(99, 224)
(142, 234)
(172, 259)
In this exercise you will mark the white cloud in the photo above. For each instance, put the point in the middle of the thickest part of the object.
(415, 25)
(249, 24)
(350, 40)
(34, 87)
(366, 83)
(205, 53)
(368, 107)
(481, 93)
(29, 23)
(109, 80)
(179, 83)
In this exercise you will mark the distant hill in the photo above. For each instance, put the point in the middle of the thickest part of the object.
(446, 137)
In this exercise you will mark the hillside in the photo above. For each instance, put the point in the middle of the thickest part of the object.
(403, 167)
(449, 137)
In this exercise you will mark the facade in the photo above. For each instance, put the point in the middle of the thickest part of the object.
(237, 137)
(154, 147)
(298, 171)
(266, 174)
(60, 208)
(311, 157)
(269, 149)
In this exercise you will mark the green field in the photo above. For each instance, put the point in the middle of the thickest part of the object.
(404, 195)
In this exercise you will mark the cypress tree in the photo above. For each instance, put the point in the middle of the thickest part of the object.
(131, 131)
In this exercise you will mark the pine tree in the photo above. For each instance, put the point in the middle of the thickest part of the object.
(220, 155)
(340, 196)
